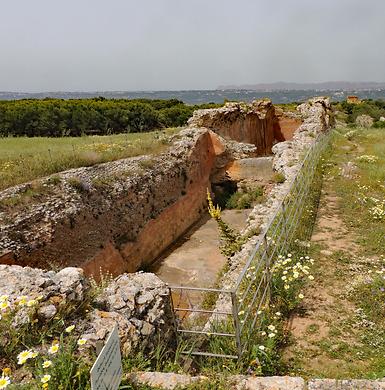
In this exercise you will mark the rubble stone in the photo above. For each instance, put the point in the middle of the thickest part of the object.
(364, 121)
(139, 303)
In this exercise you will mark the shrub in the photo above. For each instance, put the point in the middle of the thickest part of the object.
(379, 124)
(77, 117)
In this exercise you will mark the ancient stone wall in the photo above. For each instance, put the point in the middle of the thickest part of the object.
(120, 226)
(317, 118)
(119, 216)
(255, 123)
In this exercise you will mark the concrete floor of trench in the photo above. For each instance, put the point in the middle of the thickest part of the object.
(195, 259)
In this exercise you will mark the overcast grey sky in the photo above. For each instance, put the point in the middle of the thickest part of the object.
(73, 45)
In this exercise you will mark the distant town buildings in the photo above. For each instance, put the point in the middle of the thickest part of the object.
(353, 99)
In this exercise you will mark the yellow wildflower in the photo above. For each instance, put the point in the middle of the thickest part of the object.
(46, 378)
(31, 302)
(4, 382)
(70, 328)
(22, 300)
(82, 341)
(4, 305)
(22, 357)
(7, 371)
(47, 363)
(53, 349)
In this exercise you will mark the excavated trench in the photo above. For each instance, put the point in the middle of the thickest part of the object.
(154, 217)
(195, 258)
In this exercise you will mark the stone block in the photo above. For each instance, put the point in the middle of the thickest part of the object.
(348, 384)
(268, 383)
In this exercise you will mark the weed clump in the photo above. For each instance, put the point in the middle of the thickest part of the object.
(279, 178)
(148, 163)
(231, 240)
(54, 180)
(245, 199)
(77, 184)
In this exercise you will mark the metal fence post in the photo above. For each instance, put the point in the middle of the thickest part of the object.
(174, 319)
(238, 341)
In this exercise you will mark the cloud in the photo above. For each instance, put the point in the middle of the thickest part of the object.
(199, 44)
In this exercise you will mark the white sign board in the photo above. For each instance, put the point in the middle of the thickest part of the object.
(106, 373)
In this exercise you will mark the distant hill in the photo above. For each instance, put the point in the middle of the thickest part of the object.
(325, 86)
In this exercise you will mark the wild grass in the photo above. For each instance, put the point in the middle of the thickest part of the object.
(363, 208)
(23, 159)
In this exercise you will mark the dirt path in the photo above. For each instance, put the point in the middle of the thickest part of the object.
(323, 305)
(331, 335)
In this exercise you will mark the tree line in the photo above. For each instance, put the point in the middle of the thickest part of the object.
(76, 117)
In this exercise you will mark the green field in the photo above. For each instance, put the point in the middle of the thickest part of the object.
(23, 159)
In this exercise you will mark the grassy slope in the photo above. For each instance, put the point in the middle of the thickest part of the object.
(340, 330)
(23, 159)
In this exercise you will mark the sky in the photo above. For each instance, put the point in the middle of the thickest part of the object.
(100, 45)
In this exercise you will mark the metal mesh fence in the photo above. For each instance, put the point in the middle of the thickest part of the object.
(208, 332)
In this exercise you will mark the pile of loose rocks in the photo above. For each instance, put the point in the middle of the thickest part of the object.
(139, 303)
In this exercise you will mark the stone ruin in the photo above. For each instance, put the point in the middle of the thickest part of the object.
(148, 203)
(123, 225)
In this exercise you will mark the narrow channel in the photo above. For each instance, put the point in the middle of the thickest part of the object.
(195, 259)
